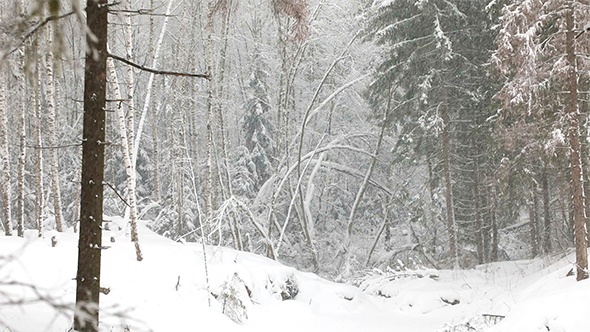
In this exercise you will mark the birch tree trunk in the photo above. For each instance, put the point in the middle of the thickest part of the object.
(52, 123)
(129, 169)
(39, 194)
(5, 157)
(155, 150)
(20, 201)
(210, 103)
(127, 136)
(150, 85)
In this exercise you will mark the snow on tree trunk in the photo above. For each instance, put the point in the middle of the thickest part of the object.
(5, 158)
(150, 85)
(91, 202)
(575, 158)
(53, 125)
(451, 226)
(20, 202)
(129, 170)
(127, 131)
(38, 172)
(154, 120)
(209, 128)
(363, 187)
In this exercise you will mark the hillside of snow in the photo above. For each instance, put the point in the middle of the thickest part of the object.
(172, 291)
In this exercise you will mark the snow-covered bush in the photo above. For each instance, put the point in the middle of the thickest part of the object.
(232, 296)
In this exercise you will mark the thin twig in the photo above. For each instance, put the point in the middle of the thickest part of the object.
(116, 192)
(36, 147)
(32, 32)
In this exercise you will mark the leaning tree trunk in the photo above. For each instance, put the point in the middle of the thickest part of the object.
(129, 133)
(129, 170)
(363, 187)
(91, 202)
(575, 159)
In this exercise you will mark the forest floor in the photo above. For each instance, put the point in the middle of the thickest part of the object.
(168, 291)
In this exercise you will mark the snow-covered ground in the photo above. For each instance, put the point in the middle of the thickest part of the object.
(168, 291)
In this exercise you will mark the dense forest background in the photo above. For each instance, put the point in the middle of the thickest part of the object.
(332, 135)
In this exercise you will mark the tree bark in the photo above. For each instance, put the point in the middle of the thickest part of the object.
(52, 123)
(451, 227)
(478, 215)
(38, 171)
(91, 202)
(126, 149)
(495, 235)
(209, 128)
(20, 200)
(546, 214)
(575, 159)
(533, 223)
(5, 157)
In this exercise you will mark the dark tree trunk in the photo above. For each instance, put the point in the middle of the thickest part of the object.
(494, 222)
(487, 226)
(575, 160)
(478, 217)
(533, 223)
(91, 203)
(451, 229)
(433, 214)
(546, 215)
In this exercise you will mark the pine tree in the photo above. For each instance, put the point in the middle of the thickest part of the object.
(91, 203)
(538, 54)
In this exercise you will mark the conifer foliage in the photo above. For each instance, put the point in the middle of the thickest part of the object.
(258, 130)
(541, 50)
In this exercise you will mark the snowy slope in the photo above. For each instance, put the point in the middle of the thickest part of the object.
(168, 291)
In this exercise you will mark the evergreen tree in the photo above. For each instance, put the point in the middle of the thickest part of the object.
(539, 50)
(432, 66)
(258, 130)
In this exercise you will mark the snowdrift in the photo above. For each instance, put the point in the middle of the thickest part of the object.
(172, 291)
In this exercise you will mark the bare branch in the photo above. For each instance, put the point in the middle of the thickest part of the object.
(159, 72)
(32, 32)
(116, 192)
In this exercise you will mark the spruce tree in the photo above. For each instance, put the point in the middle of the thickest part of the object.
(258, 130)
(433, 59)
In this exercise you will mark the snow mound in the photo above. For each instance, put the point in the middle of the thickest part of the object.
(171, 290)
